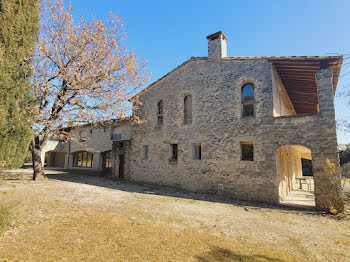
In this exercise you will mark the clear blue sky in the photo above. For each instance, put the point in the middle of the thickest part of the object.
(167, 33)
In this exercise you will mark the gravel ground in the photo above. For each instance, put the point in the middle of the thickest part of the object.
(304, 233)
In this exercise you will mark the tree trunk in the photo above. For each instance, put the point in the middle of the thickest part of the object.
(39, 172)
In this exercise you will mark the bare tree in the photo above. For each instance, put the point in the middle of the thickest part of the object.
(82, 73)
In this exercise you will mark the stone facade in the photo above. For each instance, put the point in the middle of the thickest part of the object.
(215, 85)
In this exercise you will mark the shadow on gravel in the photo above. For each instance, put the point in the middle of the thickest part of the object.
(144, 188)
(221, 254)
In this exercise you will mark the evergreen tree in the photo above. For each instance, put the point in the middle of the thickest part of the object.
(18, 34)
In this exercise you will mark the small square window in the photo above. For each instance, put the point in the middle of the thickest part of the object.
(144, 152)
(173, 152)
(247, 151)
(197, 151)
(82, 136)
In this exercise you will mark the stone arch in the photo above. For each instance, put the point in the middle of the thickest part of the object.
(294, 187)
(258, 94)
(56, 158)
(83, 158)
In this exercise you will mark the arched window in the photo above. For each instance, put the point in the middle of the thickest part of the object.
(188, 109)
(160, 113)
(82, 159)
(247, 100)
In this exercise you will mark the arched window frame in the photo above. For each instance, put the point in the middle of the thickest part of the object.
(160, 113)
(247, 105)
(187, 109)
(83, 159)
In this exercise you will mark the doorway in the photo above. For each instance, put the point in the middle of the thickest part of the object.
(121, 166)
(296, 186)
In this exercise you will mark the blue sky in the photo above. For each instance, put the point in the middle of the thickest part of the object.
(167, 33)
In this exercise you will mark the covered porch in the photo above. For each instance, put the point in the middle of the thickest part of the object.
(295, 188)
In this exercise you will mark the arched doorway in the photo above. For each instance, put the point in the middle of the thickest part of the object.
(56, 159)
(296, 183)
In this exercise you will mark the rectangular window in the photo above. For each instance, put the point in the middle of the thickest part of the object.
(197, 151)
(82, 136)
(80, 156)
(247, 151)
(173, 151)
(82, 159)
(75, 160)
(160, 120)
(107, 157)
(188, 110)
(89, 160)
(160, 113)
(144, 152)
(248, 100)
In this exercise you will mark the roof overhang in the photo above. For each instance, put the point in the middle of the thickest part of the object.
(298, 77)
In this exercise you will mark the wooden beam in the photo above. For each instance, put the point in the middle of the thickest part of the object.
(302, 102)
(306, 89)
(297, 92)
(296, 69)
(299, 78)
(301, 87)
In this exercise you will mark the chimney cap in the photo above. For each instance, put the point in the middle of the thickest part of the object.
(216, 35)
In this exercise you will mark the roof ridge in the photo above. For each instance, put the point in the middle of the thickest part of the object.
(176, 68)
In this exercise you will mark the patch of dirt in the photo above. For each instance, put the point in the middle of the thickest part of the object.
(78, 217)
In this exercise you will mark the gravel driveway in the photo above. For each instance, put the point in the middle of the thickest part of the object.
(305, 234)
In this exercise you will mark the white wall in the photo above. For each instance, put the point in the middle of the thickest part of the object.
(97, 142)
(282, 105)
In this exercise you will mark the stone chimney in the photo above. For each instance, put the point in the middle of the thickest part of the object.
(217, 46)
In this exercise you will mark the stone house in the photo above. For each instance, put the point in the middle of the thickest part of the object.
(90, 146)
(235, 126)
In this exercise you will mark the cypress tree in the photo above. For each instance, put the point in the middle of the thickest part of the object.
(18, 34)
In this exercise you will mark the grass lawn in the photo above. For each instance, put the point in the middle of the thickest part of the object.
(80, 218)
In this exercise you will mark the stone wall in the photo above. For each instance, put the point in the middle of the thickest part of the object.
(318, 133)
(217, 48)
(215, 86)
(217, 124)
(97, 142)
(120, 152)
